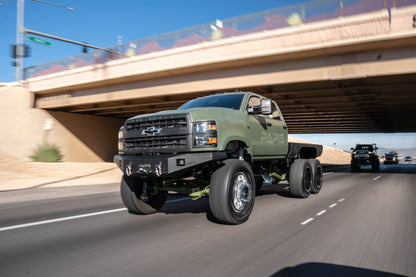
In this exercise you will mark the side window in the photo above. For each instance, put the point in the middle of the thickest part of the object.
(253, 101)
(256, 101)
(275, 112)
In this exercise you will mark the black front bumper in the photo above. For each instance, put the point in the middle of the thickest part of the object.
(164, 165)
(362, 161)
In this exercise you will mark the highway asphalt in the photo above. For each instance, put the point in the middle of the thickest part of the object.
(360, 224)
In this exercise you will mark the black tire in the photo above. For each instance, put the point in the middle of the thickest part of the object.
(232, 192)
(137, 195)
(300, 178)
(317, 174)
(355, 167)
(375, 166)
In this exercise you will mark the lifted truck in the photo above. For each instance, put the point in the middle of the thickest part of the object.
(364, 154)
(222, 146)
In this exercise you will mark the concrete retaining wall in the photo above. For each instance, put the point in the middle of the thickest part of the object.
(81, 138)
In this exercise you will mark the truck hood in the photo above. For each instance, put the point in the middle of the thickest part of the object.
(169, 112)
(197, 114)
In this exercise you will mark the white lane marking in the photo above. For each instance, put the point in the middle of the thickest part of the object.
(30, 224)
(328, 173)
(307, 221)
(378, 177)
(59, 219)
(321, 212)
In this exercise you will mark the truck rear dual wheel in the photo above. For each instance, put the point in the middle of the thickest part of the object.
(232, 192)
(138, 195)
(317, 175)
(305, 177)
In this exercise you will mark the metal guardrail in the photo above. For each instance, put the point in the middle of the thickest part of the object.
(272, 19)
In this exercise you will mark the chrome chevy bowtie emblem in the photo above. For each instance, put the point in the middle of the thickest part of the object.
(150, 131)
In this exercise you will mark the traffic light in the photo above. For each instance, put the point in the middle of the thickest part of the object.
(26, 51)
(13, 51)
(16, 51)
(84, 48)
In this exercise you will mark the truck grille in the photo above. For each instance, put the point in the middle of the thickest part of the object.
(157, 134)
(138, 125)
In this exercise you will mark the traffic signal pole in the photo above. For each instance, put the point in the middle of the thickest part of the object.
(20, 40)
(20, 32)
(71, 41)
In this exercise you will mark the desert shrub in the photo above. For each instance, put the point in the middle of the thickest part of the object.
(46, 152)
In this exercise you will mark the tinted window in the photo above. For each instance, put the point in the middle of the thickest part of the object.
(229, 101)
(364, 147)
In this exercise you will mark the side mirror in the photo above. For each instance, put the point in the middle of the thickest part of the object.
(266, 106)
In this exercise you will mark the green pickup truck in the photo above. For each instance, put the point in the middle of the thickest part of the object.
(224, 146)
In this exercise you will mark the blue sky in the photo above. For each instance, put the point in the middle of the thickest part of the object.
(101, 22)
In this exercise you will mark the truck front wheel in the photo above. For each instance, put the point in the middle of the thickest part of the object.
(139, 195)
(300, 178)
(232, 192)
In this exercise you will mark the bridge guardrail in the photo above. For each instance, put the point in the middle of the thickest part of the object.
(267, 20)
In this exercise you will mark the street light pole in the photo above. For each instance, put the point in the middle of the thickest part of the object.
(20, 39)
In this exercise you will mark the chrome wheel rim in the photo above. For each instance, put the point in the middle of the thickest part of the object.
(242, 191)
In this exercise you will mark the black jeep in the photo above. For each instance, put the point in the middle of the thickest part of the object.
(364, 154)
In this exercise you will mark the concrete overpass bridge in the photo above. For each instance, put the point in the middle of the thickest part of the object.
(345, 74)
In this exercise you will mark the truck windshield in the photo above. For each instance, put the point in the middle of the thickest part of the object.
(228, 101)
(364, 147)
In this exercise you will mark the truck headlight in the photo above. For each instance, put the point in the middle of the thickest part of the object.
(203, 127)
(205, 134)
(121, 140)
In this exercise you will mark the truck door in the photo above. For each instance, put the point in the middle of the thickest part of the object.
(278, 129)
(268, 133)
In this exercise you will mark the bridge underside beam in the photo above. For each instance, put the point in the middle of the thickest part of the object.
(370, 91)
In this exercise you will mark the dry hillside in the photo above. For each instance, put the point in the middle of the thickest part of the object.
(329, 155)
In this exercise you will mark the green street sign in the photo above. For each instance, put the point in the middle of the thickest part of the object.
(39, 40)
